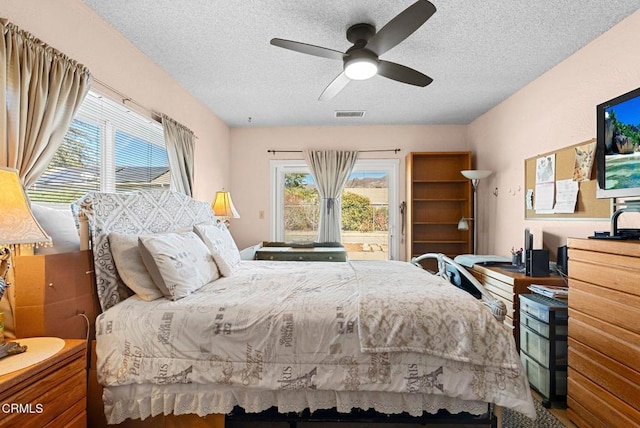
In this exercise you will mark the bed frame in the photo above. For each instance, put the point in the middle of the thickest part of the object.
(96, 417)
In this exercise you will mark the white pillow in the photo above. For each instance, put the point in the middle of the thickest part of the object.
(179, 263)
(124, 249)
(60, 226)
(222, 246)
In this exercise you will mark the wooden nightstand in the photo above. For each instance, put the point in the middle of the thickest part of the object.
(51, 393)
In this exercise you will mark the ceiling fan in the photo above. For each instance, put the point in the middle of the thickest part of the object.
(361, 61)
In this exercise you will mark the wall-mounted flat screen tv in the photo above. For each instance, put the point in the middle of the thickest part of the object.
(618, 147)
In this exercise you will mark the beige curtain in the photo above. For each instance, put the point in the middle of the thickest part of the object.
(40, 91)
(180, 143)
(330, 170)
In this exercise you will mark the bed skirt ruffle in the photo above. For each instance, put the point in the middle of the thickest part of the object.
(143, 401)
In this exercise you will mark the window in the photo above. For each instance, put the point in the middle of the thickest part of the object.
(108, 148)
(368, 225)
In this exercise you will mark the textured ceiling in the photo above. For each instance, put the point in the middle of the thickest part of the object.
(477, 52)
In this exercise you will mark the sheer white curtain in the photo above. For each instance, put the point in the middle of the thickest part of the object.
(330, 170)
(40, 91)
(180, 142)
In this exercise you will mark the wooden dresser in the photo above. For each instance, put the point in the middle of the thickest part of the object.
(51, 393)
(506, 286)
(604, 333)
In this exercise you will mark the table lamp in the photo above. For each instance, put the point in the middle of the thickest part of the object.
(19, 230)
(223, 207)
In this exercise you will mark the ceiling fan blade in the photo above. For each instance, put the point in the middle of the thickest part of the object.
(334, 87)
(308, 49)
(401, 27)
(403, 74)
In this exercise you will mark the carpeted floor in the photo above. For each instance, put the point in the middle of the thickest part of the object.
(544, 419)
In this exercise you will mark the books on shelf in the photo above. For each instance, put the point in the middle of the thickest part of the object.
(553, 291)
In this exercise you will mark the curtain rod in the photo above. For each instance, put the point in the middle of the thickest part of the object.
(359, 151)
(127, 99)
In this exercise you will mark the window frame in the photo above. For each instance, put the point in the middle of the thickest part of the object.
(110, 124)
(279, 167)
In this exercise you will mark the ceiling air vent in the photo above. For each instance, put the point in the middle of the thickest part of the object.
(350, 113)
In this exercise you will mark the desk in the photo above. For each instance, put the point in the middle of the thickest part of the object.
(303, 254)
(506, 286)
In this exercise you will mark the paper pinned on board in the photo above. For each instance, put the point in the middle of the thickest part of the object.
(529, 199)
(583, 163)
(543, 198)
(566, 196)
(545, 184)
(546, 169)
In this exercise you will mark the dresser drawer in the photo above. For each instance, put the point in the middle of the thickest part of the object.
(539, 348)
(543, 308)
(54, 396)
(540, 327)
(540, 377)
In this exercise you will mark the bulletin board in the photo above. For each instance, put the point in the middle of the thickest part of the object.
(587, 206)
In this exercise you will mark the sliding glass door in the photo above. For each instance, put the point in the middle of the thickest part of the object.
(368, 212)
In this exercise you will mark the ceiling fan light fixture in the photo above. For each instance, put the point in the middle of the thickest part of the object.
(361, 61)
(362, 68)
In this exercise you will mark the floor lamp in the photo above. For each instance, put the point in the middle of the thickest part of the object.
(475, 175)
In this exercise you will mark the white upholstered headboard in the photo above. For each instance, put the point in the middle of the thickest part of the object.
(140, 212)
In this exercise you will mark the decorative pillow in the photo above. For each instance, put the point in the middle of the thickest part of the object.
(179, 263)
(124, 249)
(60, 226)
(222, 246)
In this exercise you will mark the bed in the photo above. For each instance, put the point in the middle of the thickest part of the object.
(295, 335)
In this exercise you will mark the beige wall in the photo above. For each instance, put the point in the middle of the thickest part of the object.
(73, 28)
(554, 111)
(250, 160)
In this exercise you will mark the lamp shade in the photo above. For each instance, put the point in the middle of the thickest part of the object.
(223, 205)
(17, 224)
(476, 174)
(463, 224)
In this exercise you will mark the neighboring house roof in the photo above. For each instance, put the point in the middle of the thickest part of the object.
(137, 174)
(124, 174)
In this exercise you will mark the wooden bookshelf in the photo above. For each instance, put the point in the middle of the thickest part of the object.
(438, 196)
